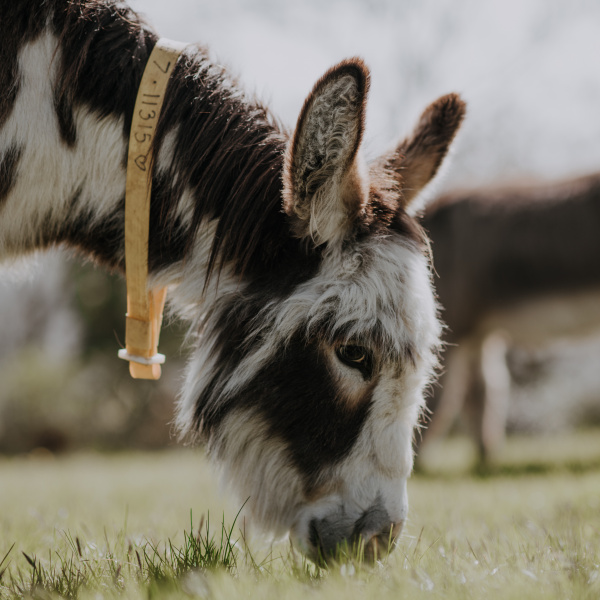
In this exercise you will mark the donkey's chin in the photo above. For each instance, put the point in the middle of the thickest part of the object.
(333, 528)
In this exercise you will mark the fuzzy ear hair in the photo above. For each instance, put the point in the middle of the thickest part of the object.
(324, 190)
(417, 159)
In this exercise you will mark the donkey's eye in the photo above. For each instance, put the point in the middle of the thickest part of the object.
(357, 357)
(352, 354)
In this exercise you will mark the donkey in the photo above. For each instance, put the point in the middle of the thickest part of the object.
(517, 267)
(301, 269)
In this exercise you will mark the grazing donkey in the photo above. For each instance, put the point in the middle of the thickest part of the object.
(301, 269)
(517, 266)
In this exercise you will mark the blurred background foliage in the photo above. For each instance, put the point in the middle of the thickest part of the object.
(62, 385)
(528, 70)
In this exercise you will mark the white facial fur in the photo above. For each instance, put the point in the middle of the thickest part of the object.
(394, 292)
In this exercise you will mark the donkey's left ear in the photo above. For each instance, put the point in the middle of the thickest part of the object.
(323, 186)
(417, 159)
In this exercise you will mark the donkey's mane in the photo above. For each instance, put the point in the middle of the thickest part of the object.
(229, 152)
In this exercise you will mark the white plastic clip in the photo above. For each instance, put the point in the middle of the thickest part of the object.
(157, 359)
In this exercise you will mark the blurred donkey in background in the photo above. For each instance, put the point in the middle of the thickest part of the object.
(518, 267)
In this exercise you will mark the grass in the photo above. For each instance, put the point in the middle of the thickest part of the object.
(80, 564)
(113, 526)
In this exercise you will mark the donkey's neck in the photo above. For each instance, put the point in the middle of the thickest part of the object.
(217, 183)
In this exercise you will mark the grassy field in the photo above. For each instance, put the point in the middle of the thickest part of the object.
(104, 526)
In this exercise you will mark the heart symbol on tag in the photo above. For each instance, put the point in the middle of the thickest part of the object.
(140, 161)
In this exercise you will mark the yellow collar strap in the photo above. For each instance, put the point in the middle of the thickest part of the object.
(144, 306)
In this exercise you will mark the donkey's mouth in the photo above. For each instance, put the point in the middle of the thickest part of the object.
(369, 538)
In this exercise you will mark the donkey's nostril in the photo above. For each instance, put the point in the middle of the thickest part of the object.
(313, 534)
(382, 543)
(373, 521)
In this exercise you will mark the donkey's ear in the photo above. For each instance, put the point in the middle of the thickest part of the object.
(417, 159)
(324, 190)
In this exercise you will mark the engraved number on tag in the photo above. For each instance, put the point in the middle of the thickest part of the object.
(145, 131)
(163, 69)
(149, 118)
(146, 115)
(141, 137)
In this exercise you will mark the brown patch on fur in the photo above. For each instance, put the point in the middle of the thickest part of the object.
(26, 19)
(353, 192)
(321, 487)
(8, 170)
(66, 121)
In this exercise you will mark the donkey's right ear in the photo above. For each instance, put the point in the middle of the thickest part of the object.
(323, 186)
(416, 160)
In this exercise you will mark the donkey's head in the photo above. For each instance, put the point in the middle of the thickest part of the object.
(308, 398)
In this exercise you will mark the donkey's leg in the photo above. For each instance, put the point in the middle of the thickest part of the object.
(489, 394)
(454, 387)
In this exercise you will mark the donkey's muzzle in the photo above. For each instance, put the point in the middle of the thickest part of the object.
(371, 536)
